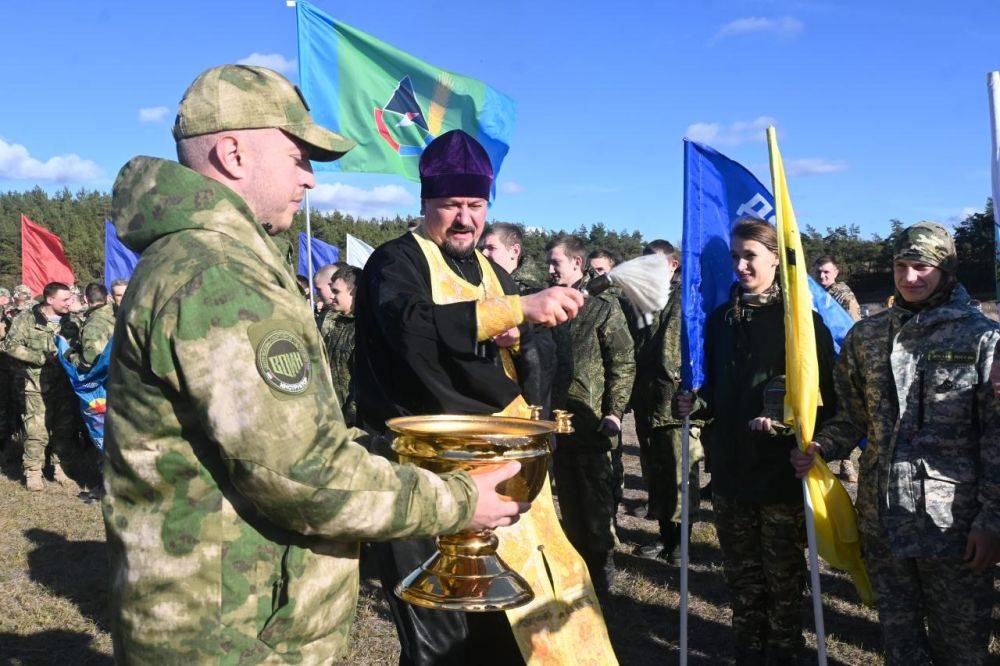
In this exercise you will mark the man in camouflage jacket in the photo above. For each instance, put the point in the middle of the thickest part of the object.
(914, 380)
(235, 496)
(595, 368)
(338, 337)
(45, 395)
(657, 380)
(97, 329)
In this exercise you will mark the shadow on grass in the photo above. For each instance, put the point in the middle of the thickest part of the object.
(56, 646)
(74, 570)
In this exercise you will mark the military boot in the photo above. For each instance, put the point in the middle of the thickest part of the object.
(33, 480)
(59, 476)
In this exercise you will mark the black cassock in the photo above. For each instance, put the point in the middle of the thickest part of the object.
(414, 357)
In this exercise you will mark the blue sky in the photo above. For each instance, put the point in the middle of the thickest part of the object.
(881, 108)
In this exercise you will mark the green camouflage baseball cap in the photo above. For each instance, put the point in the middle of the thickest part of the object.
(234, 97)
(929, 243)
(22, 291)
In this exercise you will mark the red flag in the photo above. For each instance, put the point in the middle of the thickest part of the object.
(42, 257)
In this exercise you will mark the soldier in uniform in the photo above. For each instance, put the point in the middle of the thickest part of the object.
(914, 380)
(326, 314)
(503, 243)
(118, 288)
(827, 272)
(756, 499)
(236, 498)
(97, 329)
(595, 368)
(49, 405)
(657, 380)
(339, 339)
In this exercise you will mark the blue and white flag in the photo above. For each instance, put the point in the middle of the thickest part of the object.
(322, 254)
(119, 261)
(717, 191)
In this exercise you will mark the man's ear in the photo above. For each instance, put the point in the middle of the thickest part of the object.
(580, 261)
(515, 250)
(229, 156)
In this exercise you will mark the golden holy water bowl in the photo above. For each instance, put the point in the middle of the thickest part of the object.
(466, 574)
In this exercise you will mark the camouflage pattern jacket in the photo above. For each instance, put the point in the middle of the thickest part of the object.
(339, 343)
(841, 293)
(95, 334)
(658, 365)
(32, 346)
(595, 368)
(236, 499)
(917, 386)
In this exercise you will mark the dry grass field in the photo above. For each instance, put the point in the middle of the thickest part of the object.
(53, 577)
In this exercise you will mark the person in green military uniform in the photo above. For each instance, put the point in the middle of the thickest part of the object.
(657, 381)
(97, 329)
(235, 496)
(915, 380)
(595, 369)
(49, 406)
(340, 339)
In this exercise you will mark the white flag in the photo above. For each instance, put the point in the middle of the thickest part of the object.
(358, 251)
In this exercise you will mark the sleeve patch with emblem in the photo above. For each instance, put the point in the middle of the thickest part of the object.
(282, 359)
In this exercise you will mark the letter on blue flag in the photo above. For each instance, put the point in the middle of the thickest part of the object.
(717, 191)
(119, 261)
(322, 254)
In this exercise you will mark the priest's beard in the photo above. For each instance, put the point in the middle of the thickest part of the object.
(456, 252)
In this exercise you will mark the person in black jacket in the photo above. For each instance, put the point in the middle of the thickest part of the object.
(757, 499)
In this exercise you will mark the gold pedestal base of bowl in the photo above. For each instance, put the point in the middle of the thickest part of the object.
(466, 574)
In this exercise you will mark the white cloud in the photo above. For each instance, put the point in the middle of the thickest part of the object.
(275, 61)
(153, 114)
(779, 27)
(741, 131)
(814, 166)
(955, 220)
(17, 164)
(511, 187)
(381, 201)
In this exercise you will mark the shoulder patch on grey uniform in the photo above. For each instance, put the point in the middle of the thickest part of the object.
(282, 358)
(951, 356)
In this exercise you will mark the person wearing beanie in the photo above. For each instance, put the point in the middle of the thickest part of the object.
(438, 325)
(914, 380)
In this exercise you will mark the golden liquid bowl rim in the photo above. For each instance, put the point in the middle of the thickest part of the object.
(470, 425)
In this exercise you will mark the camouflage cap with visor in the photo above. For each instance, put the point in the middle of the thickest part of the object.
(928, 243)
(22, 291)
(235, 97)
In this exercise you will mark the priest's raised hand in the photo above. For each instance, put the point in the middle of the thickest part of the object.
(552, 306)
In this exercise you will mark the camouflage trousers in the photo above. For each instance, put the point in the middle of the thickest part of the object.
(660, 458)
(49, 418)
(585, 483)
(955, 601)
(765, 570)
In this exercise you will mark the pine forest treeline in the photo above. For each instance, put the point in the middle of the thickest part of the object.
(865, 262)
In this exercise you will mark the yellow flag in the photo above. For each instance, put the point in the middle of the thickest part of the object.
(837, 539)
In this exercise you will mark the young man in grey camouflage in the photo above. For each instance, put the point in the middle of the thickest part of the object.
(46, 397)
(236, 498)
(914, 380)
(595, 368)
(97, 329)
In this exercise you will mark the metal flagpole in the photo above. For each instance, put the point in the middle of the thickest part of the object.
(309, 252)
(685, 501)
(993, 86)
(814, 577)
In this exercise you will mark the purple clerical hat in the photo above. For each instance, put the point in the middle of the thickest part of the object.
(455, 165)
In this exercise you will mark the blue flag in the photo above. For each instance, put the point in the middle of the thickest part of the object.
(717, 191)
(91, 389)
(119, 261)
(322, 253)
